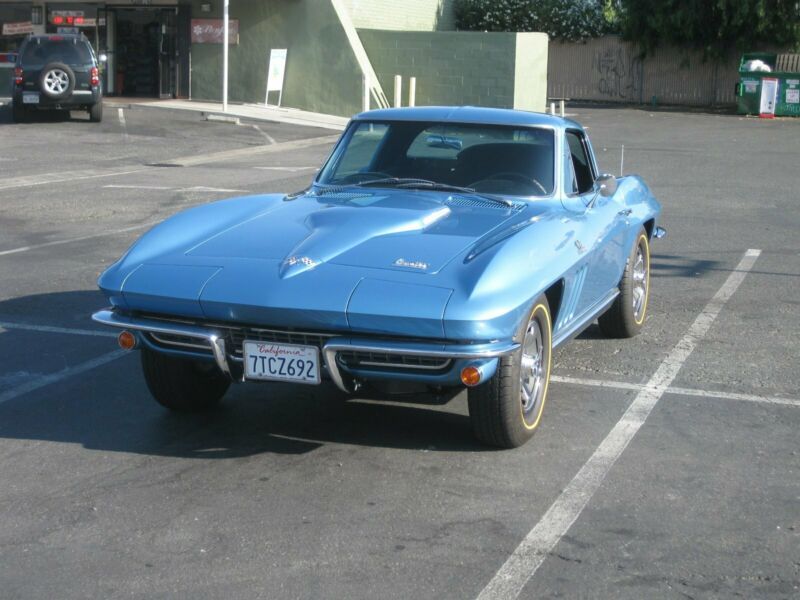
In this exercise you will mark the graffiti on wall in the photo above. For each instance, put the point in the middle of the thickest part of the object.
(620, 74)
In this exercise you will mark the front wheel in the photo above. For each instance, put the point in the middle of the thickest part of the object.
(506, 410)
(181, 384)
(624, 319)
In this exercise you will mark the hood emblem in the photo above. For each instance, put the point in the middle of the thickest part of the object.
(300, 260)
(411, 264)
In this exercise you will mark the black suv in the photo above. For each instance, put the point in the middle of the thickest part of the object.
(57, 72)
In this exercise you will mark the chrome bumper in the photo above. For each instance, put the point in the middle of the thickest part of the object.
(216, 340)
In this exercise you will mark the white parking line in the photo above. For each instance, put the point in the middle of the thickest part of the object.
(44, 380)
(289, 169)
(8, 325)
(75, 239)
(123, 124)
(540, 541)
(66, 176)
(197, 188)
(622, 385)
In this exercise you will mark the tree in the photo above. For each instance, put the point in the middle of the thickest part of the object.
(714, 26)
(561, 19)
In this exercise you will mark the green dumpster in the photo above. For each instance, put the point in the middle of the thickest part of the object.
(784, 68)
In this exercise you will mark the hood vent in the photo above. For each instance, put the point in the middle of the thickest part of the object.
(467, 202)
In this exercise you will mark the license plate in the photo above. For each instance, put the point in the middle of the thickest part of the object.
(281, 362)
(30, 98)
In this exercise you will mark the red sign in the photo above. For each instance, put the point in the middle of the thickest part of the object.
(209, 31)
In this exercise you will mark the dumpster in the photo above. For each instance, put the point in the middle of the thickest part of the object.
(769, 84)
(8, 61)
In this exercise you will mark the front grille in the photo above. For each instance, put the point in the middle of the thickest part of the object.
(382, 360)
(180, 341)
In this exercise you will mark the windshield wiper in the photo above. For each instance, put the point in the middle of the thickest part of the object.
(412, 182)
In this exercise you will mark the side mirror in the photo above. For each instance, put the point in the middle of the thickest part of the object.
(103, 58)
(606, 185)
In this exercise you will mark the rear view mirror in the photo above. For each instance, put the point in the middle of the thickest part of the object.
(443, 141)
(606, 185)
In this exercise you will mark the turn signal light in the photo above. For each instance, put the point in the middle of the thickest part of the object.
(95, 76)
(470, 376)
(126, 340)
(18, 75)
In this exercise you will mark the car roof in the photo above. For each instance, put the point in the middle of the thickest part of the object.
(468, 114)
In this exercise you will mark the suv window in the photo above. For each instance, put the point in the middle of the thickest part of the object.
(70, 52)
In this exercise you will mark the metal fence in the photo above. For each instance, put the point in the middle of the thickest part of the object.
(609, 69)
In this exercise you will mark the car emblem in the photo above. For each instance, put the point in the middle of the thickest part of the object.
(415, 264)
(300, 260)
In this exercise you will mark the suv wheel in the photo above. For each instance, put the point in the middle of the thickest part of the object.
(18, 113)
(57, 81)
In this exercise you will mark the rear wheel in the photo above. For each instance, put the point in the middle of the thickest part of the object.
(18, 113)
(506, 410)
(181, 384)
(626, 316)
(96, 112)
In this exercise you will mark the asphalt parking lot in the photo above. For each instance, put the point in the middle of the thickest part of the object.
(667, 466)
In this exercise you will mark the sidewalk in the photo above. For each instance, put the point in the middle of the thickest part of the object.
(258, 112)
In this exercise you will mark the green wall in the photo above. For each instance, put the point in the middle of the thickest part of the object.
(322, 73)
(452, 68)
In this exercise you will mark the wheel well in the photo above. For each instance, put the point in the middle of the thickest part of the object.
(648, 226)
(554, 294)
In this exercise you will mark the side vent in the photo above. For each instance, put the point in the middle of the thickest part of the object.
(573, 294)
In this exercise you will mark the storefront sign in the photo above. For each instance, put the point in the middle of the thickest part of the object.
(23, 28)
(210, 31)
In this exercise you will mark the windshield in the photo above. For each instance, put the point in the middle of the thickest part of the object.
(492, 159)
(68, 51)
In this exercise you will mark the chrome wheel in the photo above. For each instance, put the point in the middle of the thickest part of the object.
(56, 82)
(532, 371)
(640, 281)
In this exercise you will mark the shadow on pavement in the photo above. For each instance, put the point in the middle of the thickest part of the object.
(109, 408)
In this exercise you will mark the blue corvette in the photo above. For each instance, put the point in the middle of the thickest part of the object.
(439, 246)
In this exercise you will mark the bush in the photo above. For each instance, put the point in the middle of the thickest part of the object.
(562, 19)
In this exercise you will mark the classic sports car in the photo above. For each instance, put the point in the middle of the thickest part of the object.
(441, 246)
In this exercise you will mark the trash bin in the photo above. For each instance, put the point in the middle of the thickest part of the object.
(769, 80)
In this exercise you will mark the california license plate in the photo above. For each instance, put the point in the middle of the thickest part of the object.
(30, 98)
(281, 362)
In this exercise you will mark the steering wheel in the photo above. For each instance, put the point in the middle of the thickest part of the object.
(511, 176)
(363, 174)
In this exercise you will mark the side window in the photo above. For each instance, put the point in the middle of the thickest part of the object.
(581, 165)
(570, 182)
(362, 148)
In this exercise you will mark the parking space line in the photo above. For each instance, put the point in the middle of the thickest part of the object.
(76, 239)
(678, 391)
(45, 380)
(47, 178)
(529, 555)
(8, 325)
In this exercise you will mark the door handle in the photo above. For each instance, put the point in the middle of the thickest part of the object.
(625, 213)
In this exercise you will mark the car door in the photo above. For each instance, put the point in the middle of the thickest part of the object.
(600, 236)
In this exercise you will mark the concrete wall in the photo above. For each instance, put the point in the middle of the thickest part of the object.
(609, 69)
(408, 15)
(322, 73)
(505, 70)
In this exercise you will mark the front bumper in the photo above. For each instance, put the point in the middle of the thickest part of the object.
(402, 360)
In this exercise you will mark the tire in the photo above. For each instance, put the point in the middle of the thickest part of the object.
(19, 114)
(57, 81)
(183, 385)
(96, 112)
(625, 317)
(502, 413)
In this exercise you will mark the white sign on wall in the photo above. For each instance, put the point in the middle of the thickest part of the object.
(769, 95)
(275, 73)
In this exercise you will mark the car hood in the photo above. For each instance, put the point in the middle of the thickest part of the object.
(404, 230)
